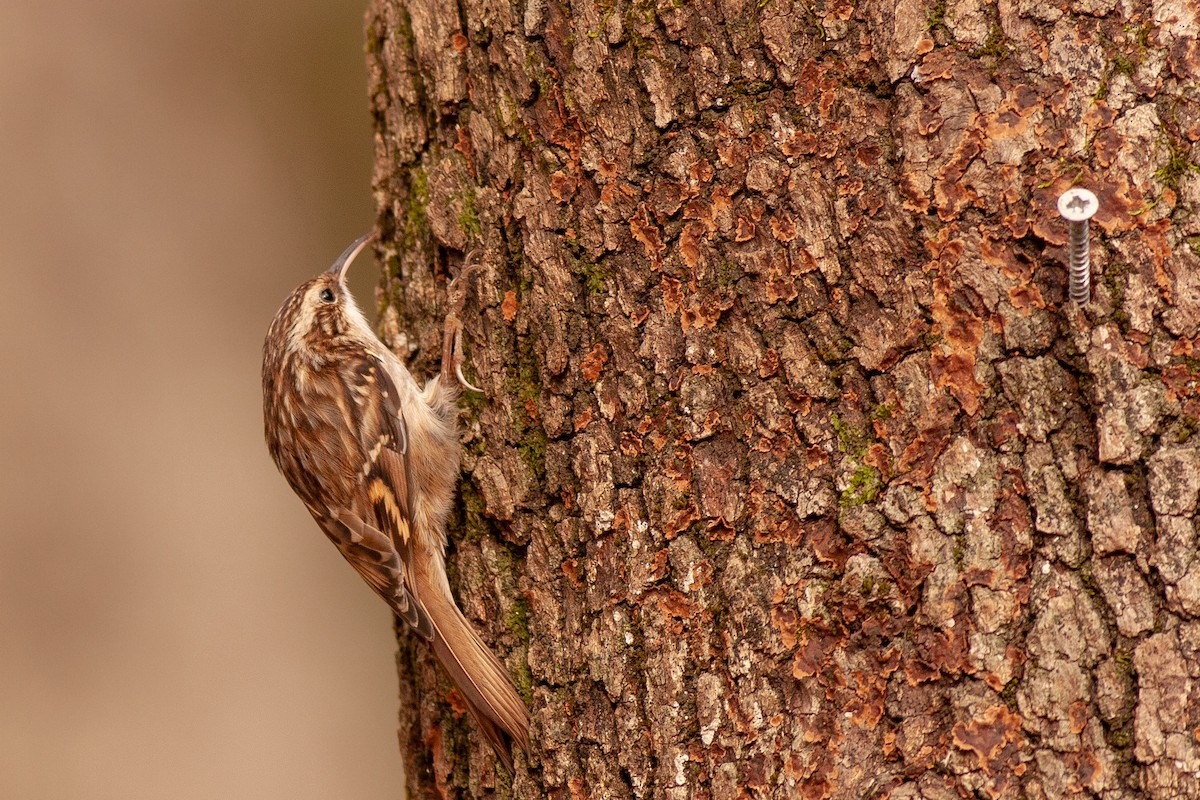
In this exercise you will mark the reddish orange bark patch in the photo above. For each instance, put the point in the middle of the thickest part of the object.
(787, 622)
(647, 233)
(593, 363)
(689, 243)
(681, 521)
(917, 460)
(672, 294)
(814, 653)
(570, 568)
(989, 736)
(828, 544)
(745, 230)
(563, 186)
(509, 306)
(674, 604)
(1078, 714)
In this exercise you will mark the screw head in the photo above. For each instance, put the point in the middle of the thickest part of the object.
(1077, 205)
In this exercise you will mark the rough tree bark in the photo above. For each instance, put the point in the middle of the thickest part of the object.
(796, 474)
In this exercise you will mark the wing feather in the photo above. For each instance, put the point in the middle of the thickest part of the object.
(372, 527)
(371, 553)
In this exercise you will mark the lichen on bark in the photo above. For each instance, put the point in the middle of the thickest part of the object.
(796, 475)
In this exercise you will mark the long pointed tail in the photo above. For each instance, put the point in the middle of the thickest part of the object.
(475, 670)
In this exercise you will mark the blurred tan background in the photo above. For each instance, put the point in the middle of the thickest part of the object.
(172, 623)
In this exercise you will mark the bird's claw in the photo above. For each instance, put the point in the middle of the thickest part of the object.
(465, 383)
(457, 358)
(452, 357)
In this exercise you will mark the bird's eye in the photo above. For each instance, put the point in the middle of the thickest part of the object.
(326, 296)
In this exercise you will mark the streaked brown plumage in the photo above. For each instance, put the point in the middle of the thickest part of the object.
(375, 460)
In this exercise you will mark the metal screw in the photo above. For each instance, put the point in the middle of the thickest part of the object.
(1078, 206)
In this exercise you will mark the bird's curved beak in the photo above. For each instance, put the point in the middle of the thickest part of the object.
(344, 260)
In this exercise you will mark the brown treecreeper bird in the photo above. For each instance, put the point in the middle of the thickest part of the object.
(374, 457)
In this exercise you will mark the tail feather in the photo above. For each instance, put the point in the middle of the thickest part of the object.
(490, 694)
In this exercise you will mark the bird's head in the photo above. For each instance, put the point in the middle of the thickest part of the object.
(320, 311)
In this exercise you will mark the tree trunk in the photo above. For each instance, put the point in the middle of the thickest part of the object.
(797, 475)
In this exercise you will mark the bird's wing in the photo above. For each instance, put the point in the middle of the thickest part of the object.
(370, 551)
(373, 530)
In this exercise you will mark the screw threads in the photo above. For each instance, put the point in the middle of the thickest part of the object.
(1077, 206)
(1080, 269)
